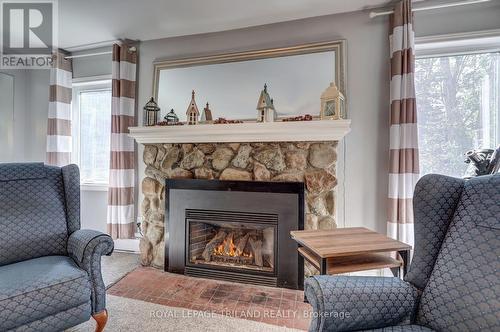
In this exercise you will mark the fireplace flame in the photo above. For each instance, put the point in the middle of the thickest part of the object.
(233, 250)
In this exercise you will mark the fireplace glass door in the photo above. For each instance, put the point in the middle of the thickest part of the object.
(237, 245)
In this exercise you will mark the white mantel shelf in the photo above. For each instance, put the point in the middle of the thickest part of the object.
(293, 131)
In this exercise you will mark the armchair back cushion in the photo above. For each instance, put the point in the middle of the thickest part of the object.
(463, 289)
(33, 221)
(434, 202)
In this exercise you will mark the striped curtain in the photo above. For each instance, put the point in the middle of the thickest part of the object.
(403, 158)
(121, 217)
(59, 143)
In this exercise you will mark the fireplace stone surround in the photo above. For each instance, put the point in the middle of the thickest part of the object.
(312, 163)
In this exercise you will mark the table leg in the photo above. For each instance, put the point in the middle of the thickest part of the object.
(396, 271)
(323, 269)
(405, 256)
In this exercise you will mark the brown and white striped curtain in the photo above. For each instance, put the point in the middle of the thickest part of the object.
(121, 217)
(403, 158)
(59, 142)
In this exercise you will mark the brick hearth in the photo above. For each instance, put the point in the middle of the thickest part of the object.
(278, 306)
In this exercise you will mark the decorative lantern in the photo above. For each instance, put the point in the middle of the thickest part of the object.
(151, 110)
(332, 104)
(171, 117)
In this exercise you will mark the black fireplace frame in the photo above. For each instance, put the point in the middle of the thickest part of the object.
(231, 269)
(173, 244)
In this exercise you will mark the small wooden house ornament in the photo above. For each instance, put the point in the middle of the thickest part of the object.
(206, 115)
(192, 112)
(332, 103)
(265, 107)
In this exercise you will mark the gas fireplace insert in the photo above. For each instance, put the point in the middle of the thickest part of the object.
(234, 230)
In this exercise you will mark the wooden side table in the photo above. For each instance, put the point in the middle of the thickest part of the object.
(344, 250)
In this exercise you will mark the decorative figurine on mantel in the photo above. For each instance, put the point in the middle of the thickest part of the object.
(206, 115)
(332, 104)
(306, 117)
(265, 107)
(151, 110)
(192, 112)
(171, 118)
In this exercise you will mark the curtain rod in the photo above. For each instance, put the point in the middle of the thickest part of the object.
(131, 49)
(443, 5)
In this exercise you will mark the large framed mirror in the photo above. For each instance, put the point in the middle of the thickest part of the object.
(231, 83)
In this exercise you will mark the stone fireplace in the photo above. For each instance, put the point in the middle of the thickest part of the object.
(312, 163)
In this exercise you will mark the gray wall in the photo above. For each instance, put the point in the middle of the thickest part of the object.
(92, 66)
(367, 93)
(7, 116)
(485, 16)
(31, 94)
(36, 116)
(367, 84)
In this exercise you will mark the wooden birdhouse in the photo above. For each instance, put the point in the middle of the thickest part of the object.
(265, 107)
(206, 115)
(332, 104)
(192, 112)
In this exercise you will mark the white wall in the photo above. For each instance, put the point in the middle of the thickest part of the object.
(367, 84)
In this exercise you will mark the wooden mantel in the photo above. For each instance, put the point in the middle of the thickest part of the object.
(299, 131)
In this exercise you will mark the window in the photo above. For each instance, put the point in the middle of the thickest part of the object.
(92, 130)
(458, 108)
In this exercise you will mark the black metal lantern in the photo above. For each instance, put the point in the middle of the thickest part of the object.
(171, 117)
(151, 110)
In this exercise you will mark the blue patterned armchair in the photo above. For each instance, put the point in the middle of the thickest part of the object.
(50, 269)
(453, 283)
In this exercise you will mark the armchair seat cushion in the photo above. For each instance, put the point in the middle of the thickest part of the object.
(34, 289)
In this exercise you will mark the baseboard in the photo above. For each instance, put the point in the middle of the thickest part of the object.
(129, 245)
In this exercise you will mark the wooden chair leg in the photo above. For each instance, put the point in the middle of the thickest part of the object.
(101, 319)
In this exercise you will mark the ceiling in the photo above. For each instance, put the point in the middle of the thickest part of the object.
(95, 21)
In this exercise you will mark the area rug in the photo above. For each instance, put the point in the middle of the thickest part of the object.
(118, 265)
(134, 315)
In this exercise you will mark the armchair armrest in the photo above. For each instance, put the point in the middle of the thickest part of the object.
(343, 303)
(86, 248)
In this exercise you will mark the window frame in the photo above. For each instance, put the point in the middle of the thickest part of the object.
(457, 44)
(94, 83)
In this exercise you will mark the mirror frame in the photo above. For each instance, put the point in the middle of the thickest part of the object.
(338, 46)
